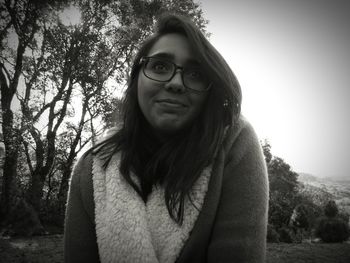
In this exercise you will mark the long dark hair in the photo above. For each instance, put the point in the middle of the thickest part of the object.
(177, 163)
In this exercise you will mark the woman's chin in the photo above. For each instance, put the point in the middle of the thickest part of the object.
(169, 127)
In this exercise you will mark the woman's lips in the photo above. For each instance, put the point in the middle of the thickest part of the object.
(171, 103)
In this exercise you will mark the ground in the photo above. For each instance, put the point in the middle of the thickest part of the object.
(38, 249)
(43, 249)
(308, 253)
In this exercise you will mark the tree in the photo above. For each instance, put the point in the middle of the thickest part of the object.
(331, 209)
(2, 150)
(22, 20)
(61, 76)
(282, 178)
(266, 146)
(283, 187)
(332, 228)
(310, 211)
(300, 218)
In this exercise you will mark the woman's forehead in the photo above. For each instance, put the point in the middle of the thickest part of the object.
(174, 47)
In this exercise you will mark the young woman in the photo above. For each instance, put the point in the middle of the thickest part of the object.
(184, 178)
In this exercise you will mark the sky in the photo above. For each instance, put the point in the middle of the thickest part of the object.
(292, 59)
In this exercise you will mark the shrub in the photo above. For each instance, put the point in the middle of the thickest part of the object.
(286, 235)
(331, 209)
(300, 217)
(272, 234)
(344, 216)
(332, 230)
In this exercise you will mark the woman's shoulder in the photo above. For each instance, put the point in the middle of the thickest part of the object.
(107, 134)
(81, 184)
(84, 161)
(102, 147)
(110, 132)
(241, 138)
(241, 130)
(82, 169)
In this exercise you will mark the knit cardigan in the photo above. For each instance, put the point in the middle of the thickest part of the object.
(131, 230)
(231, 225)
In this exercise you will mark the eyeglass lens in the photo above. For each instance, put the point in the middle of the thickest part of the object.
(162, 70)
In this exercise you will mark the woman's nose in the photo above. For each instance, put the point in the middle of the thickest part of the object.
(175, 83)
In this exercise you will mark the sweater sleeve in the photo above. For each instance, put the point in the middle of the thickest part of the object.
(239, 231)
(79, 232)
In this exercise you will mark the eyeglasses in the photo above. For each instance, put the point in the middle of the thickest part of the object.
(162, 70)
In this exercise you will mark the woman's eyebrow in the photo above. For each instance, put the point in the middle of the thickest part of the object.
(163, 55)
(171, 57)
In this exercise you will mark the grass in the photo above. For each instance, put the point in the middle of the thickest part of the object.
(308, 253)
(43, 249)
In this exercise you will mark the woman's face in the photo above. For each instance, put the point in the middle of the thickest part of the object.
(170, 106)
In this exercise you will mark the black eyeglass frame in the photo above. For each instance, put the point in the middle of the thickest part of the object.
(145, 60)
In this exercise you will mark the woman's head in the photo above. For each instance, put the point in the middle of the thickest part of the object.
(173, 122)
(171, 105)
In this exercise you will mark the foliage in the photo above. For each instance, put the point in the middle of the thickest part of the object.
(280, 209)
(266, 146)
(23, 220)
(305, 213)
(282, 178)
(272, 234)
(293, 209)
(331, 228)
(286, 235)
(344, 216)
(283, 189)
(300, 217)
(331, 209)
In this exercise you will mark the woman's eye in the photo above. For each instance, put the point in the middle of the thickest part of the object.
(194, 74)
(160, 67)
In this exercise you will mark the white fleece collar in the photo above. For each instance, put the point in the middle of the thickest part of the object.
(130, 231)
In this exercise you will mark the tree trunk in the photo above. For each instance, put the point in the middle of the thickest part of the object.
(2, 151)
(63, 193)
(8, 183)
(35, 191)
(10, 161)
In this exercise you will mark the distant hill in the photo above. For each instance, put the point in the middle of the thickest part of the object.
(341, 179)
(335, 188)
(306, 178)
(309, 177)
